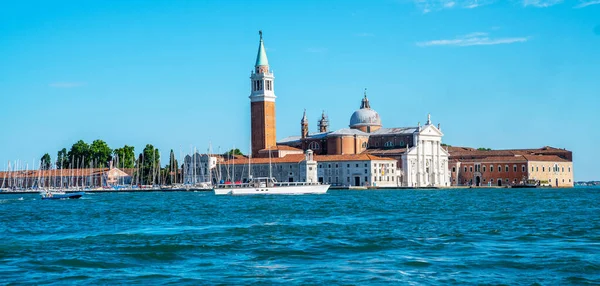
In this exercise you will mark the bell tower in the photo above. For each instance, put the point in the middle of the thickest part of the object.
(304, 125)
(262, 103)
(324, 123)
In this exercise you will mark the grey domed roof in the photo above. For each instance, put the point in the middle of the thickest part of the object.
(365, 117)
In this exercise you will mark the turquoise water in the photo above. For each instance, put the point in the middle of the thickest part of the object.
(510, 236)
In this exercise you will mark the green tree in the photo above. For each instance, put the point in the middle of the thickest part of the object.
(150, 164)
(233, 152)
(125, 157)
(172, 169)
(99, 153)
(46, 162)
(484, 149)
(62, 159)
(79, 154)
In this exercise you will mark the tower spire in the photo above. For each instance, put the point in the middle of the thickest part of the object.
(261, 57)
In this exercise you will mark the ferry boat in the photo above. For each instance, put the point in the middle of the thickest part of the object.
(269, 186)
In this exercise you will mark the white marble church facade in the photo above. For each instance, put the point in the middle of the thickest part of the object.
(426, 163)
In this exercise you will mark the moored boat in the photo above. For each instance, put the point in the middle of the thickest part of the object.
(268, 186)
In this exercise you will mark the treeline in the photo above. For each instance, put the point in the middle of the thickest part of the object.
(146, 166)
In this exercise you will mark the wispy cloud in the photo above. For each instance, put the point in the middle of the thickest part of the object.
(66, 84)
(427, 6)
(365, 35)
(316, 50)
(541, 3)
(587, 3)
(472, 39)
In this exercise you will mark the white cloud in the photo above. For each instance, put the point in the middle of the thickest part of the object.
(436, 5)
(66, 84)
(472, 39)
(449, 4)
(587, 3)
(541, 3)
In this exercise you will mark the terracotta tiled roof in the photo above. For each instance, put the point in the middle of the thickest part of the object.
(384, 151)
(513, 159)
(297, 158)
(545, 158)
(350, 157)
(285, 148)
(291, 158)
(466, 153)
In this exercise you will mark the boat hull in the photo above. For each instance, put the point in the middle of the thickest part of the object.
(277, 190)
(64, 196)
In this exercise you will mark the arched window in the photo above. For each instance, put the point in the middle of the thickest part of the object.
(314, 146)
(364, 145)
(389, 144)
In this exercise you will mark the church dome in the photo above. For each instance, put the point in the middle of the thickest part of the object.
(365, 116)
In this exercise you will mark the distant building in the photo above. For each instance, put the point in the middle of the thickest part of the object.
(65, 178)
(420, 162)
(545, 166)
(337, 170)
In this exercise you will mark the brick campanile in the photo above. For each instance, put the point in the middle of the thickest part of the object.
(262, 103)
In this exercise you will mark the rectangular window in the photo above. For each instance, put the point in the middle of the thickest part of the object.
(365, 171)
(348, 166)
(365, 165)
(453, 169)
(357, 165)
(366, 179)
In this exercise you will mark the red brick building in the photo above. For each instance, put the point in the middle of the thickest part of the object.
(546, 166)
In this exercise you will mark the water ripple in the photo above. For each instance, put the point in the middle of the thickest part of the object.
(413, 237)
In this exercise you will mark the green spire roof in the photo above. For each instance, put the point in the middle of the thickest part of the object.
(261, 58)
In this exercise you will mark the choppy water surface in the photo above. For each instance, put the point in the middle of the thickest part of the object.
(495, 236)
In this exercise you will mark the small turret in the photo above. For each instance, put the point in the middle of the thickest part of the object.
(365, 102)
(323, 123)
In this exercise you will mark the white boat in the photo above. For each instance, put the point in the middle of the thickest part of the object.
(268, 186)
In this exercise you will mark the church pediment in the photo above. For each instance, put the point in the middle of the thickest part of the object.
(430, 130)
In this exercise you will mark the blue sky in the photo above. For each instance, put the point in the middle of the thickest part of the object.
(497, 74)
